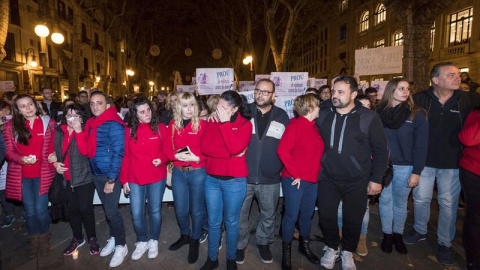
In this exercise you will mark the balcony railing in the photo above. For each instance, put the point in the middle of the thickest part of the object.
(456, 50)
(97, 46)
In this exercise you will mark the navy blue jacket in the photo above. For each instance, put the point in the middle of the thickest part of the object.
(409, 144)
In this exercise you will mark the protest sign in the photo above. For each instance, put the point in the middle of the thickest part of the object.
(386, 60)
(289, 83)
(212, 81)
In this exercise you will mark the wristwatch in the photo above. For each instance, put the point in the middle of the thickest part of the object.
(111, 181)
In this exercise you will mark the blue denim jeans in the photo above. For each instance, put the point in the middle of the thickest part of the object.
(448, 192)
(224, 201)
(366, 218)
(189, 196)
(110, 206)
(393, 201)
(154, 194)
(36, 206)
(299, 205)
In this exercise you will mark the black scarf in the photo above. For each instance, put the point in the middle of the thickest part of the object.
(394, 117)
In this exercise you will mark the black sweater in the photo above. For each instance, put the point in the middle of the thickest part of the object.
(264, 166)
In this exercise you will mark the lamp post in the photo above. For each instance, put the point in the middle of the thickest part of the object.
(151, 83)
(129, 72)
(249, 60)
(33, 63)
(42, 31)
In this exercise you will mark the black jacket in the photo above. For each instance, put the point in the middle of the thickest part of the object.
(357, 149)
(264, 166)
(55, 107)
(79, 166)
(445, 122)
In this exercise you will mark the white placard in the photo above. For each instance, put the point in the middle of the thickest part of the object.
(186, 89)
(258, 77)
(316, 83)
(6, 86)
(286, 103)
(289, 83)
(380, 86)
(387, 60)
(246, 86)
(211, 81)
(363, 85)
(250, 96)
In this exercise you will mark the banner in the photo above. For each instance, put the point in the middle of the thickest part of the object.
(380, 86)
(363, 85)
(211, 81)
(6, 86)
(387, 60)
(286, 103)
(289, 83)
(250, 95)
(316, 83)
(258, 77)
(246, 86)
(186, 89)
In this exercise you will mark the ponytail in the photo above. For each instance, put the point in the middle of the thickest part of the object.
(238, 101)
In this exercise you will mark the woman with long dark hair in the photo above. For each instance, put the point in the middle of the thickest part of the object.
(225, 143)
(143, 173)
(188, 176)
(29, 141)
(80, 188)
(406, 128)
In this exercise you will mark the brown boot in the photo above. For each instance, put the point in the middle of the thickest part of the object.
(33, 246)
(44, 240)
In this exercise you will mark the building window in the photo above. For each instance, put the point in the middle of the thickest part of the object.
(343, 55)
(364, 21)
(381, 13)
(14, 13)
(432, 36)
(364, 47)
(461, 27)
(61, 9)
(379, 43)
(343, 31)
(343, 5)
(398, 38)
(10, 47)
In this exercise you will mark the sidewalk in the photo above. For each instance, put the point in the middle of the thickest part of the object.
(14, 247)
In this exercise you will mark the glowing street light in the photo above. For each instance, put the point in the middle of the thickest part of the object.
(42, 30)
(58, 38)
(249, 60)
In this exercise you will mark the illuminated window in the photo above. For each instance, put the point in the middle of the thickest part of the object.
(363, 47)
(364, 21)
(381, 13)
(398, 38)
(432, 36)
(461, 27)
(379, 43)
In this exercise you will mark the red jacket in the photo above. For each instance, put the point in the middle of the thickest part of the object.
(301, 149)
(14, 171)
(470, 137)
(137, 166)
(186, 137)
(222, 143)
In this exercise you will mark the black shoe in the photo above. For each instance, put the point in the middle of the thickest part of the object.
(184, 240)
(265, 253)
(387, 243)
(193, 251)
(231, 264)
(399, 245)
(414, 237)
(203, 236)
(444, 255)
(240, 257)
(304, 248)
(286, 255)
(209, 264)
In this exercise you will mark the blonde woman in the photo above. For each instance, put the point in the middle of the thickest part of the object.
(183, 147)
(167, 115)
(212, 102)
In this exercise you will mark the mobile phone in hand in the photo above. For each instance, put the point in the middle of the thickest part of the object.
(184, 149)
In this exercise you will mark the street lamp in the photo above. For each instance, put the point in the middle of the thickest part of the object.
(33, 63)
(151, 83)
(129, 72)
(42, 31)
(249, 60)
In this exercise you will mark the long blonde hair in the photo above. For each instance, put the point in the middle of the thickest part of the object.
(387, 99)
(185, 99)
(168, 104)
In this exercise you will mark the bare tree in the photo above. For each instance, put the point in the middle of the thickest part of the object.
(4, 15)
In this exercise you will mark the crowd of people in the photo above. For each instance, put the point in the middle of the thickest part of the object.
(342, 147)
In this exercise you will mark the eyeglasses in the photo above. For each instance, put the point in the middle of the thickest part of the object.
(263, 92)
(72, 116)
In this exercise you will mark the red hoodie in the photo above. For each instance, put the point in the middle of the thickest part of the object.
(137, 166)
(301, 149)
(470, 137)
(222, 143)
(186, 137)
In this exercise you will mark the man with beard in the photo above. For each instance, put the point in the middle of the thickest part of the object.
(264, 169)
(354, 161)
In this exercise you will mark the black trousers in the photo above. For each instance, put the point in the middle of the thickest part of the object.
(353, 194)
(80, 210)
(471, 224)
(7, 205)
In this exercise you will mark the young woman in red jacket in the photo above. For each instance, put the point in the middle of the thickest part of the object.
(29, 141)
(188, 176)
(143, 173)
(300, 150)
(225, 142)
(470, 180)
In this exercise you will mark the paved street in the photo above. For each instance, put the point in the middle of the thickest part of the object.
(14, 247)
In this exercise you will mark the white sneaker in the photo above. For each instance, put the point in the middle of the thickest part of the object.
(347, 261)
(141, 248)
(152, 249)
(108, 248)
(118, 256)
(329, 258)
